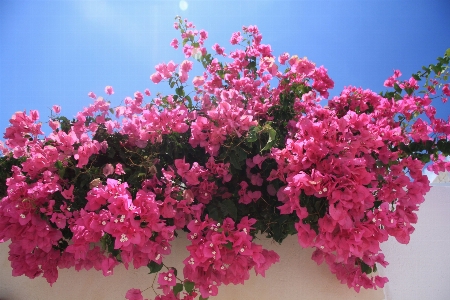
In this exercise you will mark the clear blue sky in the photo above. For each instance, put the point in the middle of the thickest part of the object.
(55, 52)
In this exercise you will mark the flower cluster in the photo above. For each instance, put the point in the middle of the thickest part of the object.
(250, 149)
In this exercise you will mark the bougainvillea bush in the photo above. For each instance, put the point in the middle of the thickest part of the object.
(244, 148)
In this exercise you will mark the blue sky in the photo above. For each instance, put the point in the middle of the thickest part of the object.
(55, 52)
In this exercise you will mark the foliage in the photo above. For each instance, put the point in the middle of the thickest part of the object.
(248, 150)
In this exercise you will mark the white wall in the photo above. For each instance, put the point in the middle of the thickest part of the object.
(421, 269)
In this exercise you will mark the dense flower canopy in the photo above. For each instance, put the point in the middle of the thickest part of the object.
(249, 149)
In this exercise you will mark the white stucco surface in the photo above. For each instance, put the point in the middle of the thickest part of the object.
(421, 269)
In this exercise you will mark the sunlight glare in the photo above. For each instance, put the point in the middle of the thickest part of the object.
(183, 5)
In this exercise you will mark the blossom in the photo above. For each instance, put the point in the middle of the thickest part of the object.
(236, 38)
(174, 43)
(198, 80)
(109, 90)
(92, 95)
(108, 169)
(203, 34)
(119, 169)
(219, 50)
(166, 280)
(283, 58)
(446, 90)
(54, 125)
(134, 294)
(156, 77)
(56, 109)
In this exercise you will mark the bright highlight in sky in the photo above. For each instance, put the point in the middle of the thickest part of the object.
(183, 5)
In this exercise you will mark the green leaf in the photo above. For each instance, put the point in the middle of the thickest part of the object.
(228, 208)
(241, 154)
(397, 88)
(177, 288)
(252, 135)
(365, 268)
(214, 213)
(416, 77)
(409, 91)
(397, 96)
(444, 146)
(234, 160)
(229, 245)
(188, 98)
(154, 267)
(201, 298)
(180, 91)
(104, 242)
(111, 152)
(65, 124)
(447, 52)
(189, 286)
(59, 165)
(436, 68)
(271, 141)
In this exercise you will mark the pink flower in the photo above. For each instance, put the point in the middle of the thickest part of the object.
(68, 194)
(92, 95)
(167, 280)
(198, 81)
(109, 90)
(183, 76)
(269, 64)
(108, 265)
(283, 58)
(134, 294)
(56, 108)
(119, 169)
(174, 43)
(108, 169)
(53, 124)
(235, 38)
(147, 92)
(186, 66)
(219, 50)
(446, 90)
(156, 77)
(187, 50)
(203, 34)
(393, 79)
(171, 66)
